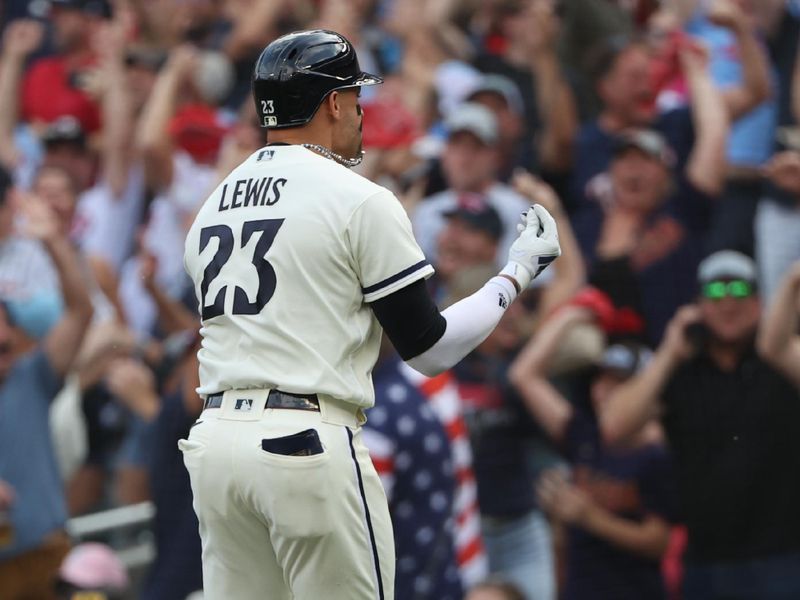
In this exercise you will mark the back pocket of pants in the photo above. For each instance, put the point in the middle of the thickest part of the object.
(303, 443)
(295, 485)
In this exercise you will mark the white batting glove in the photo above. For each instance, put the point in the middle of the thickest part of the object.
(535, 248)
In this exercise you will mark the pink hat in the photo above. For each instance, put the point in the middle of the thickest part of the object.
(92, 565)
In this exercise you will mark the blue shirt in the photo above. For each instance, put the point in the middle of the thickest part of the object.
(752, 136)
(27, 460)
(629, 483)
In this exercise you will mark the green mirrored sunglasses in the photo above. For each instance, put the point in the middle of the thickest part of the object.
(736, 288)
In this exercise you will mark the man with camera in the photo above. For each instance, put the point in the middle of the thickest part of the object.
(727, 390)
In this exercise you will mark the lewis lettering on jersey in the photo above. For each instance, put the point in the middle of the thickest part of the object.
(261, 191)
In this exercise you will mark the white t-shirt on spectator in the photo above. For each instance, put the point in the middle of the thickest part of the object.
(171, 214)
(107, 225)
(428, 219)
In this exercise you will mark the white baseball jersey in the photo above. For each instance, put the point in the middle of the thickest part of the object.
(284, 255)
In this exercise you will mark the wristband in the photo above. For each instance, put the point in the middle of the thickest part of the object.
(519, 273)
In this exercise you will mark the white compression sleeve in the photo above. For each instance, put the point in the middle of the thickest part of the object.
(469, 322)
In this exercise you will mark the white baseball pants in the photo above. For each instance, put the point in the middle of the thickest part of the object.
(283, 527)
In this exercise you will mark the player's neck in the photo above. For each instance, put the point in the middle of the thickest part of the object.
(301, 135)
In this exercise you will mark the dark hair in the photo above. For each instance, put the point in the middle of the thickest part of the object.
(602, 58)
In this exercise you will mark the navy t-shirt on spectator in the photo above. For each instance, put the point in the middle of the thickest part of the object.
(500, 430)
(658, 277)
(630, 484)
(27, 459)
(594, 149)
(178, 570)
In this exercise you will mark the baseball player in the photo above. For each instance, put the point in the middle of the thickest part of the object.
(299, 264)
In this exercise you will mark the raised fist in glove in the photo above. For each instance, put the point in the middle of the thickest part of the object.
(535, 248)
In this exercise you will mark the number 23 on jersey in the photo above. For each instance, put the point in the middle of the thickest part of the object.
(267, 230)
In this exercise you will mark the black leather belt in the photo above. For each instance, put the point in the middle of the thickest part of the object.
(276, 399)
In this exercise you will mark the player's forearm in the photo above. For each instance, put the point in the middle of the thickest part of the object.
(439, 341)
(469, 322)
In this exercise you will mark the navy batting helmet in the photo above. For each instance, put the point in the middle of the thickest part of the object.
(295, 73)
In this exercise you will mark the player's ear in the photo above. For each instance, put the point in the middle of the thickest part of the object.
(333, 105)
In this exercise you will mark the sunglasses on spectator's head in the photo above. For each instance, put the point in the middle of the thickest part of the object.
(734, 288)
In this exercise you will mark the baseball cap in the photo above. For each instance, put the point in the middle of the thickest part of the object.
(97, 8)
(580, 346)
(66, 128)
(727, 264)
(453, 81)
(214, 77)
(389, 124)
(475, 119)
(625, 359)
(647, 141)
(196, 128)
(503, 87)
(476, 212)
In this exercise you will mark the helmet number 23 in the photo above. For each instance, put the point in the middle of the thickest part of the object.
(268, 229)
(266, 107)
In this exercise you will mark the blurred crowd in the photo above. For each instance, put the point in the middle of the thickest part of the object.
(630, 429)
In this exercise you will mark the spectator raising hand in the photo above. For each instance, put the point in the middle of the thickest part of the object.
(569, 273)
(723, 401)
(39, 221)
(20, 39)
(28, 384)
(755, 87)
(133, 383)
(779, 340)
(783, 170)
